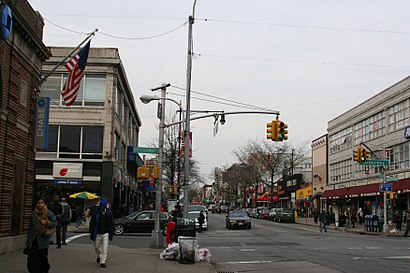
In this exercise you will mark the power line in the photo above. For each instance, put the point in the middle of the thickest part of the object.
(122, 37)
(300, 61)
(304, 26)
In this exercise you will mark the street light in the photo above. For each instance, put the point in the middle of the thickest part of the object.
(156, 235)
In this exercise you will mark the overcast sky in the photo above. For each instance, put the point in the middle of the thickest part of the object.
(312, 60)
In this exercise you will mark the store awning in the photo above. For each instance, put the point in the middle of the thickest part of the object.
(366, 190)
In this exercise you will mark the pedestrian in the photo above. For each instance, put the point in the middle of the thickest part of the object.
(407, 220)
(323, 219)
(177, 213)
(38, 239)
(65, 219)
(101, 230)
(201, 220)
(353, 218)
(398, 220)
(315, 215)
(57, 208)
(348, 218)
(80, 216)
(359, 215)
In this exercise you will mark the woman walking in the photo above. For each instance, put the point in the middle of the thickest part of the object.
(38, 239)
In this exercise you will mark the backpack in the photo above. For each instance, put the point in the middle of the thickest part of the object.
(67, 214)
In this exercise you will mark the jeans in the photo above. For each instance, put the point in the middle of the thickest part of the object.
(79, 221)
(101, 247)
(323, 226)
(58, 232)
(64, 233)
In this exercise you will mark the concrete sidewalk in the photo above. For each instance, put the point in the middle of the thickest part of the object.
(81, 258)
(358, 229)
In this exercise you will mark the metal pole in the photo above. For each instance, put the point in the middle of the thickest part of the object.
(188, 114)
(385, 225)
(156, 236)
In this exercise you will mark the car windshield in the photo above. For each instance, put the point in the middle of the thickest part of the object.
(237, 214)
(132, 215)
(193, 214)
(288, 210)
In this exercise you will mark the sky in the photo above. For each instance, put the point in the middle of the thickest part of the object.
(310, 60)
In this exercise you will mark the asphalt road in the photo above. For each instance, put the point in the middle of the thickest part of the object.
(281, 247)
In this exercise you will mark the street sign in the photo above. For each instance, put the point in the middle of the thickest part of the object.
(386, 187)
(394, 178)
(376, 162)
(146, 150)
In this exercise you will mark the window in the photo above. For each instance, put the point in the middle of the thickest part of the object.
(91, 92)
(341, 171)
(75, 142)
(398, 114)
(399, 157)
(341, 140)
(118, 102)
(370, 128)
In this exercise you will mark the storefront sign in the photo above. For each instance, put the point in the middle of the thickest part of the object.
(41, 123)
(304, 193)
(67, 170)
(67, 182)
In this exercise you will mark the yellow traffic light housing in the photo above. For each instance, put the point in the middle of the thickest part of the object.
(271, 130)
(356, 155)
(366, 155)
(282, 132)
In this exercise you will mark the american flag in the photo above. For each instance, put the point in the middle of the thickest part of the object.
(75, 67)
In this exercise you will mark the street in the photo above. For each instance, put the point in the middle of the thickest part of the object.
(282, 247)
(267, 247)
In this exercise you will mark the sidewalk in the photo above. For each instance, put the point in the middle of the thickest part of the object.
(358, 229)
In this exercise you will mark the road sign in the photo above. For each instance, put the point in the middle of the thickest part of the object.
(394, 178)
(376, 162)
(146, 150)
(386, 187)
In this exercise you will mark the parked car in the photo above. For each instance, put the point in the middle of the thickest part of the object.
(237, 219)
(140, 222)
(273, 214)
(195, 215)
(254, 213)
(286, 215)
(264, 214)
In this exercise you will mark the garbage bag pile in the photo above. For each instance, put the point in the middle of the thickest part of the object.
(172, 252)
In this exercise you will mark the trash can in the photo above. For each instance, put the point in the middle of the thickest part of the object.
(185, 227)
(381, 224)
(187, 249)
(375, 222)
(367, 222)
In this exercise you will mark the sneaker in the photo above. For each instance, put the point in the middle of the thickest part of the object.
(103, 265)
(59, 246)
(98, 260)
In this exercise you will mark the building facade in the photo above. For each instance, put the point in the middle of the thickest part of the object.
(21, 56)
(88, 143)
(319, 169)
(380, 124)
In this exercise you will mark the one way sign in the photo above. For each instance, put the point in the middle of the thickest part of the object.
(386, 187)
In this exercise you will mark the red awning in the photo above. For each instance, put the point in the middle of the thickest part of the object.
(263, 198)
(365, 190)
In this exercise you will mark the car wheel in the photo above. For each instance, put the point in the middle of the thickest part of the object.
(118, 229)
(249, 227)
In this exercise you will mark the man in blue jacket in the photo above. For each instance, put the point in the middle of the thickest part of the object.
(101, 230)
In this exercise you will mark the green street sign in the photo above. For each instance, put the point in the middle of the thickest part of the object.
(146, 150)
(389, 179)
(376, 162)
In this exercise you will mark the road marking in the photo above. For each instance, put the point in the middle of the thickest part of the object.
(248, 262)
(320, 248)
(397, 257)
(247, 250)
(373, 247)
(357, 258)
(354, 248)
(76, 237)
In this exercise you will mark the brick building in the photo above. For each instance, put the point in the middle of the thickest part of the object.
(21, 56)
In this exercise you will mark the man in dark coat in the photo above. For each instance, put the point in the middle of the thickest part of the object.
(323, 218)
(407, 220)
(201, 220)
(101, 230)
(57, 208)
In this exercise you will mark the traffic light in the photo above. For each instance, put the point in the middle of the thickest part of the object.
(271, 130)
(281, 132)
(364, 155)
(356, 155)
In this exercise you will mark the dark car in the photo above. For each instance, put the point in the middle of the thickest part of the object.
(140, 222)
(286, 215)
(237, 219)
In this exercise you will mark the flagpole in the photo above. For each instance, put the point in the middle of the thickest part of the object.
(44, 78)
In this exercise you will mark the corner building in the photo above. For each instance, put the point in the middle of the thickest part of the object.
(87, 142)
(381, 123)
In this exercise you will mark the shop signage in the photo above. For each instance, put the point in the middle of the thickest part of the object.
(67, 182)
(67, 170)
(41, 123)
